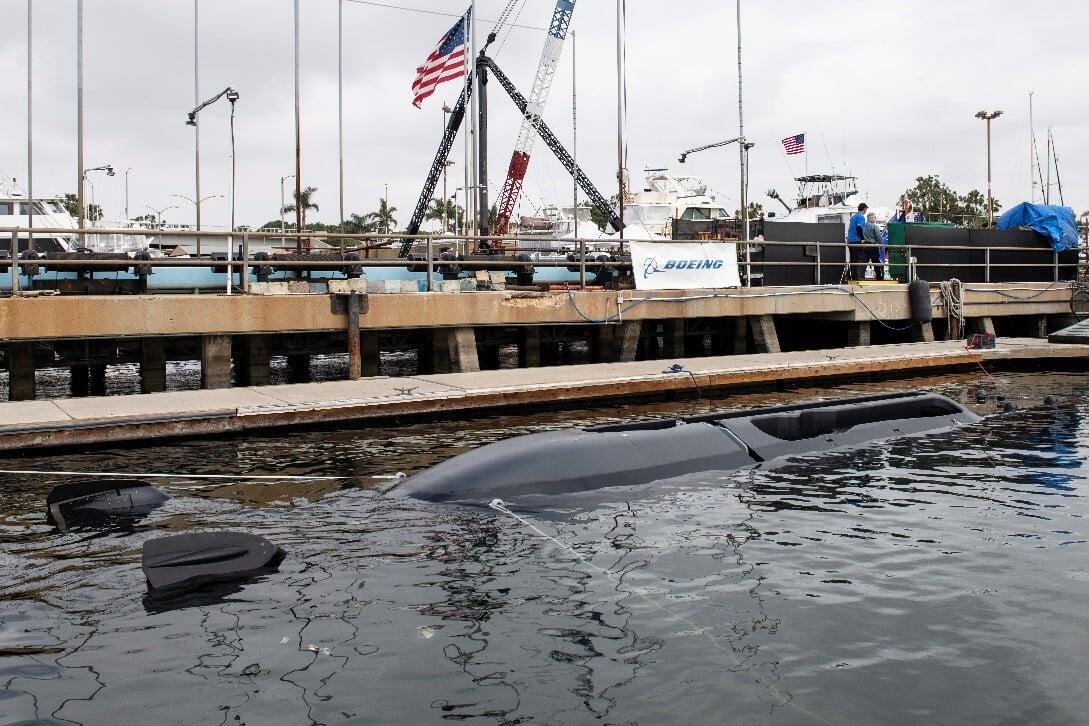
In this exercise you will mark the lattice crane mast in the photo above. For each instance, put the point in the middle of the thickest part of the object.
(538, 98)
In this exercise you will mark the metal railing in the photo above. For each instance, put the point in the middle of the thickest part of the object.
(585, 253)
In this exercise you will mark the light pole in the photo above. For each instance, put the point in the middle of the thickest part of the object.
(298, 140)
(340, 103)
(446, 111)
(385, 203)
(159, 214)
(29, 126)
(196, 100)
(79, 112)
(199, 201)
(988, 117)
(109, 172)
(127, 217)
(232, 97)
(283, 204)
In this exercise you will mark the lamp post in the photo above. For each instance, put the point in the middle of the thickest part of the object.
(231, 94)
(127, 217)
(298, 139)
(446, 111)
(79, 113)
(159, 214)
(196, 100)
(988, 117)
(283, 204)
(109, 172)
(197, 202)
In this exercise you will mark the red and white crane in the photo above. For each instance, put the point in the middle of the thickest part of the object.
(542, 84)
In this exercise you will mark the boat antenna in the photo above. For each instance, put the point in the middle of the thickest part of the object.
(1058, 179)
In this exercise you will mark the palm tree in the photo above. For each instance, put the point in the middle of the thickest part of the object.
(383, 219)
(450, 212)
(303, 203)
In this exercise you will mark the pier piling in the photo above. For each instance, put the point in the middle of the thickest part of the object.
(529, 348)
(858, 333)
(215, 361)
(21, 372)
(152, 365)
(253, 360)
(764, 334)
(463, 354)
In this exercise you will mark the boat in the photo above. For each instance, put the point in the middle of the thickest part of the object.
(826, 199)
(579, 460)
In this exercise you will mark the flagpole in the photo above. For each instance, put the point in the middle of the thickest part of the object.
(474, 142)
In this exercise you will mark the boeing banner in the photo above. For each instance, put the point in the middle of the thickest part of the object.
(684, 265)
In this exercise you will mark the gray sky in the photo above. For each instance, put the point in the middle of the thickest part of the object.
(885, 90)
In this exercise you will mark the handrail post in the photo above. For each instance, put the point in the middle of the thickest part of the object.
(230, 266)
(245, 276)
(430, 264)
(15, 262)
(818, 275)
(987, 265)
(748, 264)
(582, 263)
(1055, 258)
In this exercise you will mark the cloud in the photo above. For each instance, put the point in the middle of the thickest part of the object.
(885, 90)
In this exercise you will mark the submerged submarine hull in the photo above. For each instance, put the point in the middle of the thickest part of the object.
(578, 460)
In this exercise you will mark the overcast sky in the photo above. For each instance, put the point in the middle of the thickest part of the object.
(884, 90)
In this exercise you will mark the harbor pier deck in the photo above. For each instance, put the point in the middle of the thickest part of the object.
(94, 421)
(234, 337)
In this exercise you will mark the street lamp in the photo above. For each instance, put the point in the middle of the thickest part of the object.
(159, 213)
(446, 111)
(109, 172)
(987, 117)
(127, 218)
(232, 96)
(283, 205)
(197, 202)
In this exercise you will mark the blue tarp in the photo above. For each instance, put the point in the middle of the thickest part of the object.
(1056, 223)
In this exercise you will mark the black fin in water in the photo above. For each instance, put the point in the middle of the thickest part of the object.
(97, 502)
(186, 562)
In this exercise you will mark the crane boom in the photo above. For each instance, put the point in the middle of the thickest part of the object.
(538, 98)
(537, 124)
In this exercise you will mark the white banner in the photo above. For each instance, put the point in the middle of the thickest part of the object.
(684, 265)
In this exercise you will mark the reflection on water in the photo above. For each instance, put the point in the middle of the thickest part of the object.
(940, 578)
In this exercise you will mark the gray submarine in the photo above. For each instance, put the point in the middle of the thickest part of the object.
(587, 459)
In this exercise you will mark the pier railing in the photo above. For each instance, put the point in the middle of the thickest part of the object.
(518, 252)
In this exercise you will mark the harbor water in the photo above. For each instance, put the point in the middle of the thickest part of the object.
(937, 579)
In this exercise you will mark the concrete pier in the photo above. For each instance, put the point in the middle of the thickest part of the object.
(87, 421)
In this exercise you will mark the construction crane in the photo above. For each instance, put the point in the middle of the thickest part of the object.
(538, 98)
(483, 65)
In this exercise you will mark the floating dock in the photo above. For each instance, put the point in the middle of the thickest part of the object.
(100, 420)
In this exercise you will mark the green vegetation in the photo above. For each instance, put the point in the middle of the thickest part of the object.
(939, 203)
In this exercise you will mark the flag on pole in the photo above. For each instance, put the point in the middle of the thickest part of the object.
(794, 144)
(446, 62)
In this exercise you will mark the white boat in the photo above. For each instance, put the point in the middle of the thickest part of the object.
(824, 199)
(48, 212)
(650, 212)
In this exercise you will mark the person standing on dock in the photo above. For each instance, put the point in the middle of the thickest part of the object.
(871, 235)
(856, 233)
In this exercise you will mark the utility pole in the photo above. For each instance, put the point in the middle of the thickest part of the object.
(621, 19)
(29, 126)
(196, 125)
(743, 144)
(79, 116)
(446, 110)
(127, 217)
(340, 103)
(298, 141)
(987, 117)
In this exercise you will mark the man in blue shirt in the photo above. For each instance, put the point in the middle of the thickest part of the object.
(856, 234)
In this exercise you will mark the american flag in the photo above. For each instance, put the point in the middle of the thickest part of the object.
(445, 63)
(794, 144)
